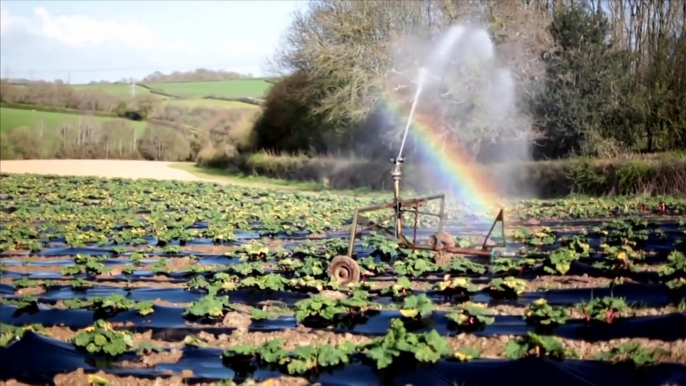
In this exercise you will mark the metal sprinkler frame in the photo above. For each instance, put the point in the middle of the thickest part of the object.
(346, 270)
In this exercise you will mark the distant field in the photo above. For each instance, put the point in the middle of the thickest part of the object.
(239, 88)
(209, 103)
(115, 89)
(12, 118)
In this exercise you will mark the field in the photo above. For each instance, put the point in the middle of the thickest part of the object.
(208, 103)
(138, 280)
(131, 169)
(240, 88)
(12, 118)
(192, 93)
(116, 89)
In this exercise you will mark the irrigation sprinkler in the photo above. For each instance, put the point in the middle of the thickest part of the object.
(346, 270)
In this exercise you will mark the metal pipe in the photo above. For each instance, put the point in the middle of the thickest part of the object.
(396, 176)
(502, 226)
(440, 221)
(416, 219)
(457, 250)
(429, 214)
(353, 231)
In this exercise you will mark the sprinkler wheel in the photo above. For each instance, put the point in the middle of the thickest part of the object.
(442, 258)
(344, 269)
(446, 239)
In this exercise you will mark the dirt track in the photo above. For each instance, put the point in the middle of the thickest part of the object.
(101, 168)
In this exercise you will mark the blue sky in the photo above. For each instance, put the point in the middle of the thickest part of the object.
(110, 40)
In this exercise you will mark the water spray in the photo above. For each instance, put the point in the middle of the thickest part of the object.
(420, 86)
(346, 270)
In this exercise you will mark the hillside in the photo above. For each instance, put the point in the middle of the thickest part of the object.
(239, 88)
(160, 120)
(117, 89)
(189, 93)
(11, 118)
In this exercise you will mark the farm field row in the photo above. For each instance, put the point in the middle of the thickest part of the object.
(239, 88)
(208, 103)
(216, 283)
(117, 89)
(11, 118)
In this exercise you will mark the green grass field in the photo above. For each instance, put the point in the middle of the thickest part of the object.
(116, 89)
(239, 88)
(208, 103)
(13, 118)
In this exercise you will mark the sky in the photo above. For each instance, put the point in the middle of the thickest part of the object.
(83, 41)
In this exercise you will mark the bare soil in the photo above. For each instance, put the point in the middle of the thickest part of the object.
(100, 168)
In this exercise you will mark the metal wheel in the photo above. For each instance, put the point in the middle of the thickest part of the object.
(446, 239)
(344, 269)
(442, 258)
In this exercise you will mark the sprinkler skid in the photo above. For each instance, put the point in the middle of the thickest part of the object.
(346, 269)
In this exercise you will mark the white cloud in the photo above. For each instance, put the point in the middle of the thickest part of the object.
(83, 31)
(41, 45)
(9, 22)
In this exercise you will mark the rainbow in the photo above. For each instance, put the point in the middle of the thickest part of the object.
(452, 164)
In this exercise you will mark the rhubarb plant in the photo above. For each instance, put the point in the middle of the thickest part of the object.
(79, 284)
(399, 345)
(545, 236)
(470, 315)
(602, 309)
(676, 265)
(209, 307)
(536, 345)
(313, 358)
(25, 282)
(459, 286)
(254, 251)
(620, 257)
(417, 306)
(401, 289)
(101, 338)
(247, 268)
(544, 316)
(223, 282)
(311, 267)
(559, 261)
(504, 266)
(578, 244)
(111, 305)
(380, 245)
(370, 267)
(414, 267)
(463, 266)
(316, 308)
(90, 265)
(509, 287)
(270, 281)
(27, 304)
(197, 282)
(358, 303)
(245, 355)
(310, 284)
(632, 353)
(10, 333)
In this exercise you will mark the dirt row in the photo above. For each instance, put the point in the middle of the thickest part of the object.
(491, 347)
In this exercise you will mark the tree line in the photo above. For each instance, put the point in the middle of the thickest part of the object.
(591, 78)
(90, 138)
